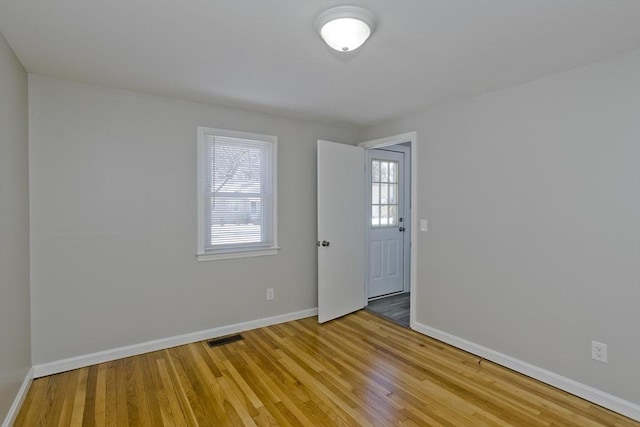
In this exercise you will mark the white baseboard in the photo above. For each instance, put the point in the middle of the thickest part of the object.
(17, 402)
(161, 344)
(586, 392)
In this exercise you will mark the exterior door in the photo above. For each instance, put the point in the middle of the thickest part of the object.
(341, 235)
(386, 222)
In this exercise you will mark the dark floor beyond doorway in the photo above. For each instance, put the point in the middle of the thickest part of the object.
(394, 308)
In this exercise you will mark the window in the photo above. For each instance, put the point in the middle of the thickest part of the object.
(236, 194)
(384, 193)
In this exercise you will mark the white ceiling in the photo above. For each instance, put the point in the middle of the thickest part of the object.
(266, 55)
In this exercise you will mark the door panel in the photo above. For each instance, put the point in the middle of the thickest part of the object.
(393, 261)
(341, 203)
(376, 260)
(385, 175)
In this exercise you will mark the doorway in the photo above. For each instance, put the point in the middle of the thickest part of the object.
(388, 225)
(341, 196)
(388, 232)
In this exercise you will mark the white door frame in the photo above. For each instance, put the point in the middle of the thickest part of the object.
(412, 138)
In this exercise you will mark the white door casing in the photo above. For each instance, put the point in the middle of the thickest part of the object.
(386, 222)
(341, 237)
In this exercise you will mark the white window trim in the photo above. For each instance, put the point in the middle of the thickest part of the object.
(238, 252)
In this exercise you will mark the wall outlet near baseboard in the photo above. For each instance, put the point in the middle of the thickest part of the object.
(270, 294)
(599, 351)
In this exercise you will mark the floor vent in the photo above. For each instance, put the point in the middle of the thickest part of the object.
(225, 340)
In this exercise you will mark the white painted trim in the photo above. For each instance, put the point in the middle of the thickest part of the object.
(237, 254)
(164, 343)
(412, 138)
(19, 400)
(599, 397)
(408, 208)
(413, 303)
(389, 140)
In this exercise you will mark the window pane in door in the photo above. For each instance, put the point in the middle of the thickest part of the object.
(375, 193)
(375, 171)
(384, 171)
(393, 172)
(384, 215)
(393, 189)
(384, 194)
(393, 215)
(375, 215)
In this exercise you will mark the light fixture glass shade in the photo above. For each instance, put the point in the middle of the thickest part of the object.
(345, 34)
(345, 28)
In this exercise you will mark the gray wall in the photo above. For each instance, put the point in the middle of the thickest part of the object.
(15, 329)
(532, 197)
(113, 220)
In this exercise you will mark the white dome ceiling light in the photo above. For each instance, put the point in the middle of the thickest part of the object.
(345, 28)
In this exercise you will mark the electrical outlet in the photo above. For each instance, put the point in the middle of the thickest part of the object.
(599, 351)
(270, 294)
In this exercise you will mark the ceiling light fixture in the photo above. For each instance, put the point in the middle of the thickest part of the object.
(345, 28)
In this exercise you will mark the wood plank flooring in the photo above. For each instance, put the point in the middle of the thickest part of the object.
(359, 370)
(394, 308)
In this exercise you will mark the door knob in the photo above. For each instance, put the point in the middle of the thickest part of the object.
(401, 229)
(325, 243)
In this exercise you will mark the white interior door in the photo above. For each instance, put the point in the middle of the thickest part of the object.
(386, 226)
(341, 237)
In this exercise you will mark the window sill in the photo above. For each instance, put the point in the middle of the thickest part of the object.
(230, 254)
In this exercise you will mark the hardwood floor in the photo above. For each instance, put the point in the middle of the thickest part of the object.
(394, 308)
(357, 370)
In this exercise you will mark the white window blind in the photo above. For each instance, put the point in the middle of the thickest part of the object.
(237, 200)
